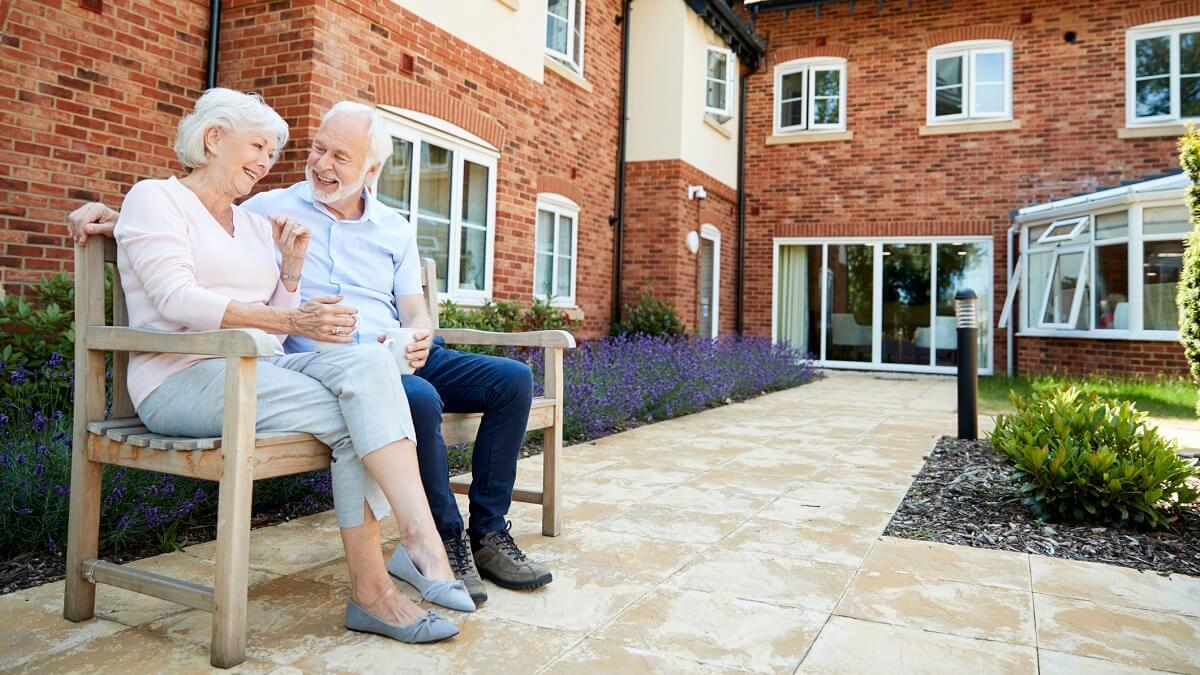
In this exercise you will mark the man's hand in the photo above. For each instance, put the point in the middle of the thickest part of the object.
(90, 219)
(418, 349)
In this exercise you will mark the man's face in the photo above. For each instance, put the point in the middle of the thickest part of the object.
(337, 162)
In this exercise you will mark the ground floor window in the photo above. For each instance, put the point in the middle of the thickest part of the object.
(554, 249)
(444, 182)
(886, 303)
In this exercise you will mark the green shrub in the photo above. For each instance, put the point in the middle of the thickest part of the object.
(40, 323)
(1188, 297)
(503, 317)
(1081, 457)
(650, 316)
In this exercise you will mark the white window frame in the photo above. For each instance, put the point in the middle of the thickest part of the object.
(1081, 286)
(968, 51)
(1076, 225)
(463, 147)
(1135, 253)
(575, 8)
(1171, 29)
(560, 206)
(809, 67)
(710, 232)
(730, 65)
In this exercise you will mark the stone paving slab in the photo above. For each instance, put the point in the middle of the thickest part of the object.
(744, 538)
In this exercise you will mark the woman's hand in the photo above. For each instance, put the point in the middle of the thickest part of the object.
(323, 318)
(292, 240)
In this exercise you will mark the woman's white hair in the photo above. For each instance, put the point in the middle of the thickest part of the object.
(380, 147)
(231, 111)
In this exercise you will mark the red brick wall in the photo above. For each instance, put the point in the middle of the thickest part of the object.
(1109, 357)
(889, 180)
(658, 216)
(88, 105)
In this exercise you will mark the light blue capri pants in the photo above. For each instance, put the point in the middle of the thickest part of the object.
(350, 399)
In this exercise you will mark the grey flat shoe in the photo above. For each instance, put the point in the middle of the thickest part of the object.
(429, 628)
(448, 594)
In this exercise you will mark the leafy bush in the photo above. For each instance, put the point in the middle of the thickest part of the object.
(40, 323)
(1081, 457)
(1188, 297)
(503, 317)
(650, 316)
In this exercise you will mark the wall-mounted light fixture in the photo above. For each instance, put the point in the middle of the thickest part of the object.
(696, 192)
(693, 241)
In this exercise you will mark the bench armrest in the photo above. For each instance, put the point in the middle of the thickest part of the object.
(225, 342)
(537, 338)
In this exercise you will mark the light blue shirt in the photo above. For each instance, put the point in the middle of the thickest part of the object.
(369, 261)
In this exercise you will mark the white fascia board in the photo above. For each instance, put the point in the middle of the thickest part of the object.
(1168, 186)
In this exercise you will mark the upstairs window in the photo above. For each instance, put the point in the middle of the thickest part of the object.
(1163, 72)
(564, 32)
(810, 95)
(718, 78)
(970, 81)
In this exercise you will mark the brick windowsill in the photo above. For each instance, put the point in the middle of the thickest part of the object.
(810, 137)
(968, 127)
(1156, 131)
(558, 68)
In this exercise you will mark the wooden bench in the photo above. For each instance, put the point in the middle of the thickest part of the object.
(238, 457)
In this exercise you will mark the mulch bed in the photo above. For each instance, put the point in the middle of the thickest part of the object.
(965, 495)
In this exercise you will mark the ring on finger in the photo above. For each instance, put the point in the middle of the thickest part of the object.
(338, 330)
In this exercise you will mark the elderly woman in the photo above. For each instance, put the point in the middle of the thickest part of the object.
(192, 260)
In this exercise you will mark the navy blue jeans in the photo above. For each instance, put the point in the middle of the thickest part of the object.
(501, 389)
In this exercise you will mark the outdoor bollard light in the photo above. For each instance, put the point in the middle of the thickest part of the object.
(968, 364)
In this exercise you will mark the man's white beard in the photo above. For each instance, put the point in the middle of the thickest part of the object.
(344, 190)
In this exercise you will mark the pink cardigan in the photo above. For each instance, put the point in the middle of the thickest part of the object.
(180, 269)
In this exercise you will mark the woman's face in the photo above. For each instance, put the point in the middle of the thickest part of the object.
(242, 158)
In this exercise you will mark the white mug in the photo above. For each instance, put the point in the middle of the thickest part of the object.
(397, 341)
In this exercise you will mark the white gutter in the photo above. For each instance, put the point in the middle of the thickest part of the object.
(1008, 328)
(1085, 204)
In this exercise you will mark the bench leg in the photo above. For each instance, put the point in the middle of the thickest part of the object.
(552, 442)
(233, 516)
(83, 532)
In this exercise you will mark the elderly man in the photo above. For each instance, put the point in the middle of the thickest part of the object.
(362, 250)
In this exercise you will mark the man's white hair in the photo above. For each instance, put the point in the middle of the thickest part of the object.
(233, 112)
(380, 147)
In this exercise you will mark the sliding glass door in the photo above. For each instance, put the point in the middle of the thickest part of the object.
(881, 304)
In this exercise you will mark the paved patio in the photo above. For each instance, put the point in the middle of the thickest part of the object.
(742, 538)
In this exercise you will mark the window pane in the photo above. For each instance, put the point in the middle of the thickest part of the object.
(825, 111)
(907, 306)
(1112, 225)
(1039, 268)
(433, 221)
(475, 194)
(1112, 287)
(545, 232)
(949, 71)
(1153, 56)
(959, 266)
(1163, 260)
(827, 83)
(566, 227)
(1166, 220)
(1189, 96)
(989, 98)
(1153, 97)
(989, 67)
(849, 298)
(563, 287)
(717, 64)
(792, 114)
(472, 264)
(798, 316)
(1063, 282)
(948, 102)
(558, 8)
(791, 86)
(716, 95)
(556, 26)
(395, 179)
(543, 269)
(1189, 53)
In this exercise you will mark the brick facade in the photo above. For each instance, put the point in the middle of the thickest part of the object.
(658, 216)
(890, 181)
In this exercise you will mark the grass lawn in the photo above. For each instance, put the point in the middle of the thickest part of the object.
(1159, 397)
